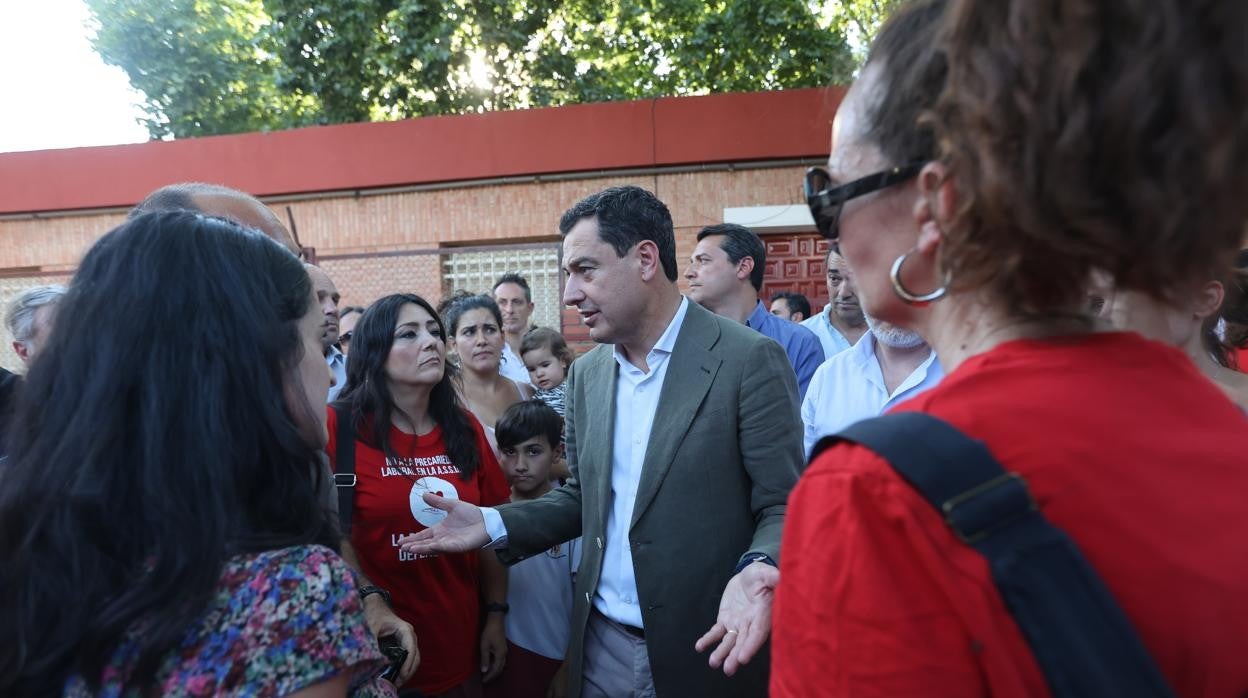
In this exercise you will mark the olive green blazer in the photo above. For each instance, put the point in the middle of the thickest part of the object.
(724, 451)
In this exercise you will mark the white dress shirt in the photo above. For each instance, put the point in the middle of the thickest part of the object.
(636, 401)
(512, 366)
(338, 365)
(849, 387)
(831, 338)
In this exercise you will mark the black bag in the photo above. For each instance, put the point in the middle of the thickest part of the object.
(1083, 642)
(344, 465)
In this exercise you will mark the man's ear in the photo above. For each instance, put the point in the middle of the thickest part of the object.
(745, 267)
(648, 259)
(19, 348)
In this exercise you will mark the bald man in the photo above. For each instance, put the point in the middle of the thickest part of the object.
(219, 201)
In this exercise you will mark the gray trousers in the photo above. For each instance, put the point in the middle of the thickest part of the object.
(616, 663)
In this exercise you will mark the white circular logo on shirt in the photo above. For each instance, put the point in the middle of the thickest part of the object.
(422, 512)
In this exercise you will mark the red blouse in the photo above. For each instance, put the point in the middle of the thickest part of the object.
(1126, 446)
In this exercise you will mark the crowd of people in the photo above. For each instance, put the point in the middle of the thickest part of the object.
(1036, 236)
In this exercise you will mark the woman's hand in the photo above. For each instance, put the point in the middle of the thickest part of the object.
(383, 622)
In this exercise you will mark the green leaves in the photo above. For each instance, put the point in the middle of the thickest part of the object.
(241, 65)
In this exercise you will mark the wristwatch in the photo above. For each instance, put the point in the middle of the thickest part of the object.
(496, 607)
(365, 591)
(753, 557)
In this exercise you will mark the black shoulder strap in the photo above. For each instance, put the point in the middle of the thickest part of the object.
(1083, 642)
(344, 464)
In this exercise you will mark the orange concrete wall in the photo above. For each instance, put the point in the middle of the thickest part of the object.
(47, 221)
(580, 138)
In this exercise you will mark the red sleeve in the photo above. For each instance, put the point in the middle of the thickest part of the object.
(331, 424)
(858, 611)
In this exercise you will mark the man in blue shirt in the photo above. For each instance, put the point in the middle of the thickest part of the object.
(725, 274)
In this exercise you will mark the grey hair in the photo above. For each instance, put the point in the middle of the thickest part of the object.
(20, 317)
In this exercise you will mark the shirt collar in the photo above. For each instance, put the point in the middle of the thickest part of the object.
(864, 356)
(667, 340)
(758, 317)
(335, 355)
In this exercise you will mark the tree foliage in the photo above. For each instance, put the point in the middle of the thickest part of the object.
(241, 65)
(205, 67)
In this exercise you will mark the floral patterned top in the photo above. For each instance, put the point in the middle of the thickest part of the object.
(281, 621)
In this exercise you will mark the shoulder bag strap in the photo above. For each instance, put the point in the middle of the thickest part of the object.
(1081, 639)
(344, 465)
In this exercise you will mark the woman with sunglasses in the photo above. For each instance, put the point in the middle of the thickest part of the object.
(990, 157)
(160, 526)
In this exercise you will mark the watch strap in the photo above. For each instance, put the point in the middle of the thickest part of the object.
(367, 590)
(751, 558)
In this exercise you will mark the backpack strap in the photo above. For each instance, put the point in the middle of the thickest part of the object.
(344, 464)
(1081, 639)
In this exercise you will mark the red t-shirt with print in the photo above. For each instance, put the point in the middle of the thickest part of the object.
(438, 594)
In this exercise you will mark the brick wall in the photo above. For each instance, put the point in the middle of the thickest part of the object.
(369, 244)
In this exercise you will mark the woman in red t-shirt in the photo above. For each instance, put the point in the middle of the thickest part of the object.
(992, 156)
(413, 436)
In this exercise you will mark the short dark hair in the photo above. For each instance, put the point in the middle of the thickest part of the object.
(546, 338)
(525, 420)
(350, 309)
(627, 216)
(512, 277)
(740, 242)
(797, 302)
(914, 70)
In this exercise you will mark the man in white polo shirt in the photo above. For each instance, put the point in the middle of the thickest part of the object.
(887, 366)
(840, 324)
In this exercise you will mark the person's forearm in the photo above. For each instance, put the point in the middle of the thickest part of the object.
(493, 578)
(348, 554)
(361, 580)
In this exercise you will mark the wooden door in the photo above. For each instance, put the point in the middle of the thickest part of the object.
(795, 262)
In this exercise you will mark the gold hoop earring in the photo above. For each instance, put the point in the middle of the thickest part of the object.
(904, 294)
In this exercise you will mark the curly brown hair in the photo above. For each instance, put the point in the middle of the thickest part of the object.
(1093, 134)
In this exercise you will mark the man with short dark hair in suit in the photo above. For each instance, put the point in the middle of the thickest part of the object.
(683, 438)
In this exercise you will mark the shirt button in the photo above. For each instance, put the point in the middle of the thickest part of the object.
(599, 540)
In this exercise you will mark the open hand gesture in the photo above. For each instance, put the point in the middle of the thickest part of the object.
(462, 530)
(744, 620)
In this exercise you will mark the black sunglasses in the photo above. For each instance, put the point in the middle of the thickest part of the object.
(826, 201)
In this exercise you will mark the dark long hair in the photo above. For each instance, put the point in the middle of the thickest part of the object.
(151, 446)
(367, 393)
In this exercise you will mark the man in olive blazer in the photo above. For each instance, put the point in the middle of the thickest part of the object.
(723, 451)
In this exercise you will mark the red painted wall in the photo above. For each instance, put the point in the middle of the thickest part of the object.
(579, 138)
